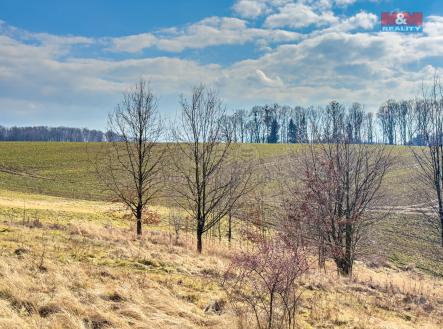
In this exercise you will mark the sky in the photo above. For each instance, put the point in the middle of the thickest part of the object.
(69, 62)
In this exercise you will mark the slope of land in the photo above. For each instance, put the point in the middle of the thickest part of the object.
(68, 169)
(69, 259)
(75, 264)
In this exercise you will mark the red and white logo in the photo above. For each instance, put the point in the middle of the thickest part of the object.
(402, 22)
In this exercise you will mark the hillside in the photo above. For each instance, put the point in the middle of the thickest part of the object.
(68, 170)
(69, 262)
(75, 264)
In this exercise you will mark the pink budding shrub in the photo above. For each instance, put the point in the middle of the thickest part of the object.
(263, 283)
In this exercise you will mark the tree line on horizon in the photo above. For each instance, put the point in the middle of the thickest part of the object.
(395, 123)
(53, 134)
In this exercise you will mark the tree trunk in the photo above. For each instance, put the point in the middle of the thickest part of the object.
(139, 222)
(199, 238)
(348, 253)
(139, 227)
(344, 266)
(437, 185)
(271, 309)
(229, 228)
(441, 224)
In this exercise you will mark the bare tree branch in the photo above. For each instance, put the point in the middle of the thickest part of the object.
(130, 164)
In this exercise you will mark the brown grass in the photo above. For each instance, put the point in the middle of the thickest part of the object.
(72, 271)
(144, 284)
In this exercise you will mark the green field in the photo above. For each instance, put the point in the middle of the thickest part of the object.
(67, 170)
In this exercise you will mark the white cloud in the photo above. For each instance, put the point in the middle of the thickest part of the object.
(208, 32)
(344, 3)
(361, 20)
(256, 8)
(299, 15)
(352, 67)
(133, 43)
(330, 63)
(267, 81)
(433, 25)
(55, 44)
(249, 8)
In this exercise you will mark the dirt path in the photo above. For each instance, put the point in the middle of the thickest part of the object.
(413, 209)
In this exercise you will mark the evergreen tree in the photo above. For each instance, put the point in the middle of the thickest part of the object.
(292, 132)
(273, 134)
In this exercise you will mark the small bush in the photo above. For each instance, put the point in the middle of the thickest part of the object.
(266, 282)
(151, 217)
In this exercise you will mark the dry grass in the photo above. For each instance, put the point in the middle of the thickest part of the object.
(382, 298)
(77, 268)
(94, 277)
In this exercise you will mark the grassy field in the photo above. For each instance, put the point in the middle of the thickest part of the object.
(69, 259)
(68, 170)
(65, 169)
(75, 264)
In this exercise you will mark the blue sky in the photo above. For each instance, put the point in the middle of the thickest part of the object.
(68, 62)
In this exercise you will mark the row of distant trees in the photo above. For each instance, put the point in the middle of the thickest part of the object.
(55, 134)
(396, 122)
(52, 134)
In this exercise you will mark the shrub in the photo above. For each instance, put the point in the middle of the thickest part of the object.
(264, 281)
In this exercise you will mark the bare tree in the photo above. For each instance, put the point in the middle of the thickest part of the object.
(403, 116)
(241, 117)
(340, 185)
(388, 118)
(208, 180)
(129, 167)
(355, 121)
(314, 121)
(430, 157)
(369, 119)
(265, 281)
